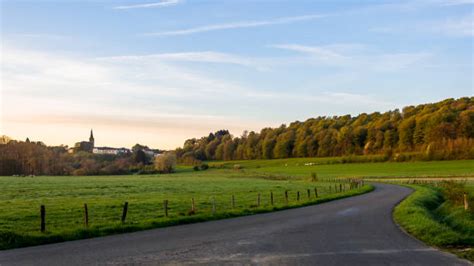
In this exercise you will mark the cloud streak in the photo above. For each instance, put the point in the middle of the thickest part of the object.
(201, 57)
(456, 2)
(356, 56)
(460, 26)
(238, 25)
(163, 3)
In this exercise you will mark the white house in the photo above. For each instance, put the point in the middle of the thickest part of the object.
(109, 150)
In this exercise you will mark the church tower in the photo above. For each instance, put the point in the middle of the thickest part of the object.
(91, 139)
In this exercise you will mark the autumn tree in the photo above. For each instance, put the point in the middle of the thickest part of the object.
(166, 162)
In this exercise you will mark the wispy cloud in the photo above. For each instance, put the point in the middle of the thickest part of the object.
(318, 51)
(42, 36)
(460, 26)
(163, 3)
(456, 2)
(202, 57)
(238, 25)
(356, 56)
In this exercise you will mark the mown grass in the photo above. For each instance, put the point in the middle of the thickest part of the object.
(64, 198)
(334, 168)
(429, 217)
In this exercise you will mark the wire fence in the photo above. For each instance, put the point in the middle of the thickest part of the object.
(196, 205)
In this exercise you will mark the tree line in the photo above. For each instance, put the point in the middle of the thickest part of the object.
(35, 158)
(435, 131)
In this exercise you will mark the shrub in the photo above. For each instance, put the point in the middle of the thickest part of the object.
(166, 163)
(204, 166)
(196, 168)
(453, 191)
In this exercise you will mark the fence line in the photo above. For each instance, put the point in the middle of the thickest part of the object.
(199, 206)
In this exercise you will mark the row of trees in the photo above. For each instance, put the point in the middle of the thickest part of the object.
(442, 130)
(35, 158)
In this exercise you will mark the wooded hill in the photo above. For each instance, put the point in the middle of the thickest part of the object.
(438, 131)
(442, 130)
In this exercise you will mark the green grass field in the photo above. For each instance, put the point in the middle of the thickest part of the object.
(332, 168)
(64, 197)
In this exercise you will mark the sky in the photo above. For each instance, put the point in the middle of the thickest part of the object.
(159, 72)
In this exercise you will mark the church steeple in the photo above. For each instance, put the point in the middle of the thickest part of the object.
(91, 138)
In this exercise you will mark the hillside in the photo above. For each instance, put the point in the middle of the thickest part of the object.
(442, 130)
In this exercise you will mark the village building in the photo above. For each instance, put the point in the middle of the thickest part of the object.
(85, 146)
(110, 151)
(89, 146)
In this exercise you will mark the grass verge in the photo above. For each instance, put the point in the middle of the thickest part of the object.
(429, 217)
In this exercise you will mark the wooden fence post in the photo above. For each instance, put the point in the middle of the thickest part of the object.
(43, 217)
(213, 205)
(466, 203)
(286, 197)
(315, 192)
(340, 187)
(165, 207)
(258, 200)
(193, 206)
(86, 215)
(298, 196)
(233, 202)
(271, 198)
(124, 213)
(309, 194)
(330, 189)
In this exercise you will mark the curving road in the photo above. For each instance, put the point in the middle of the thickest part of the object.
(351, 231)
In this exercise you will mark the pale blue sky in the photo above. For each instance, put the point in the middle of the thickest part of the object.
(158, 72)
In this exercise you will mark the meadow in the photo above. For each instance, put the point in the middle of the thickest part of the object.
(355, 166)
(64, 196)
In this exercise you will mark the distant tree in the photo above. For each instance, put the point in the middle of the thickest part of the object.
(466, 124)
(284, 145)
(406, 131)
(4, 139)
(166, 163)
(138, 147)
(268, 145)
(139, 156)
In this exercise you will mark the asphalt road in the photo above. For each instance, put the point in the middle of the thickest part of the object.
(351, 231)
